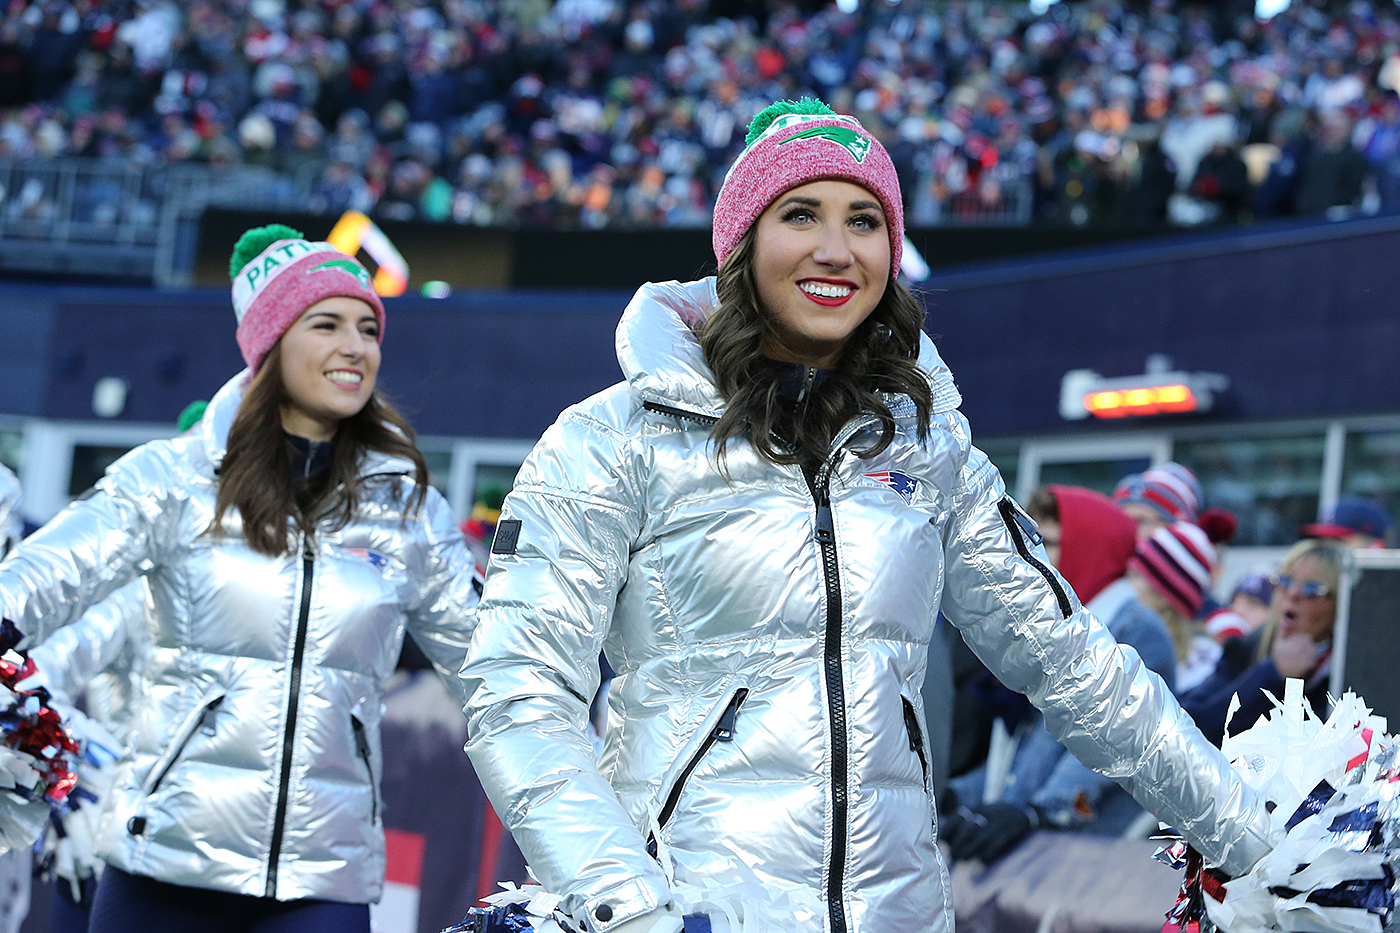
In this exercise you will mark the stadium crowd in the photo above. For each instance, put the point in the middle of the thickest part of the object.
(599, 113)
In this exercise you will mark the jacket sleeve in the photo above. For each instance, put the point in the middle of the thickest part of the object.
(560, 557)
(97, 544)
(77, 653)
(442, 613)
(1108, 709)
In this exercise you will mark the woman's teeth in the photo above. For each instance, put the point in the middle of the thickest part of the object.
(824, 290)
(345, 378)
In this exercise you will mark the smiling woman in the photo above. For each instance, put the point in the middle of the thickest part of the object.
(288, 540)
(759, 526)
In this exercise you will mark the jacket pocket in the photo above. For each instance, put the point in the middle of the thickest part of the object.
(362, 749)
(1025, 536)
(721, 731)
(201, 720)
(916, 736)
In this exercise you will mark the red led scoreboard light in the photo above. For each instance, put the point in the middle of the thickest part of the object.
(1084, 393)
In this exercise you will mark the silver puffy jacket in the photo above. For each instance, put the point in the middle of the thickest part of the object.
(770, 641)
(254, 760)
(101, 658)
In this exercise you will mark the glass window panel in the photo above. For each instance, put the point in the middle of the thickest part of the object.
(12, 449)
(1102, 475)
(1271, 484)
(1371, 467)
(493, 480)
(439, 468)
(1007, 459)
(90, 461)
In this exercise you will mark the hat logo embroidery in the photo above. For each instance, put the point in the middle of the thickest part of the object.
(854, 143)
(348, 266)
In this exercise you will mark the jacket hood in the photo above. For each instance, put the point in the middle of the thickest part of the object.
(1096, 539)
(659, 351)
(218, 419)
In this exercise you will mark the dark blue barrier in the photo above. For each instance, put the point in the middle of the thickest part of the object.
(1302, 319)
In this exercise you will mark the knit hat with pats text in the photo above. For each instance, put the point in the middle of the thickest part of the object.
(791, 143)
(277, 274)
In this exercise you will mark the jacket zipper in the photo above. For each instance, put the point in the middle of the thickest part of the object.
(308, 561)
(836, 702)
(362, 746)
(1021, 530)
(723, 731)
(673, 411)
(916, 737)
(200, 724)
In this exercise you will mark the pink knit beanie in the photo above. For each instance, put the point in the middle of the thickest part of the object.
(277, 275)
(1177, 560)
(791, 143)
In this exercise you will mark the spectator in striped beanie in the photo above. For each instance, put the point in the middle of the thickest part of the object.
(1171, 571)
(1157, 497)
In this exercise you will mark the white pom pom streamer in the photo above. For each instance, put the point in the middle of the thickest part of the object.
(1336, 794)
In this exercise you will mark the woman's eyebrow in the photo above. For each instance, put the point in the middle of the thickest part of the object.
(799, 199)
(866, 205)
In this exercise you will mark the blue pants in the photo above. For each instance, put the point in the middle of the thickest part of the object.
(129, 903)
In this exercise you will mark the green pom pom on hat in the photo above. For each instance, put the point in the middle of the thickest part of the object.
(809, 106)
(254, 241)
(191, 415)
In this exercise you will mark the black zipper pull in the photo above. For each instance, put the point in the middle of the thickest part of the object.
(724, 729)
(361, 743)
(308, 550)
(826, 527)
(911, 723)
(206, 720)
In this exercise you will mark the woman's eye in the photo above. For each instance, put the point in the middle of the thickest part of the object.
(798, 214)
(866, 222)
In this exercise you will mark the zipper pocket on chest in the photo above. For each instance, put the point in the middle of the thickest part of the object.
(722, 731)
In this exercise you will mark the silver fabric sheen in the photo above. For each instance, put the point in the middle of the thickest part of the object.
(698, 586)
(204, 768)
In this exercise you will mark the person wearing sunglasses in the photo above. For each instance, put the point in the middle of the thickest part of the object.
(1295, 641)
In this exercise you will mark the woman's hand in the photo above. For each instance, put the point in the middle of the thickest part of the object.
(1295, 655)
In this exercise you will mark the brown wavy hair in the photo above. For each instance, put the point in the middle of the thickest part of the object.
(880, 357)
(256, 474)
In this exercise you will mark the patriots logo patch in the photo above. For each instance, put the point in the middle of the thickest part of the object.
(374, 558)
(902, 483)
(347, 266)
(854, 143)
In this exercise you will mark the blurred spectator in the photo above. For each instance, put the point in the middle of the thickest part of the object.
(1158, 497)
(1171, 571)
(1247, 609)
(1354, 521)
(1333, 175)
(1295, 641)
(1085, 113)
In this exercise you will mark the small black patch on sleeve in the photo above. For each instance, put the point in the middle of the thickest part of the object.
(507, 537)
